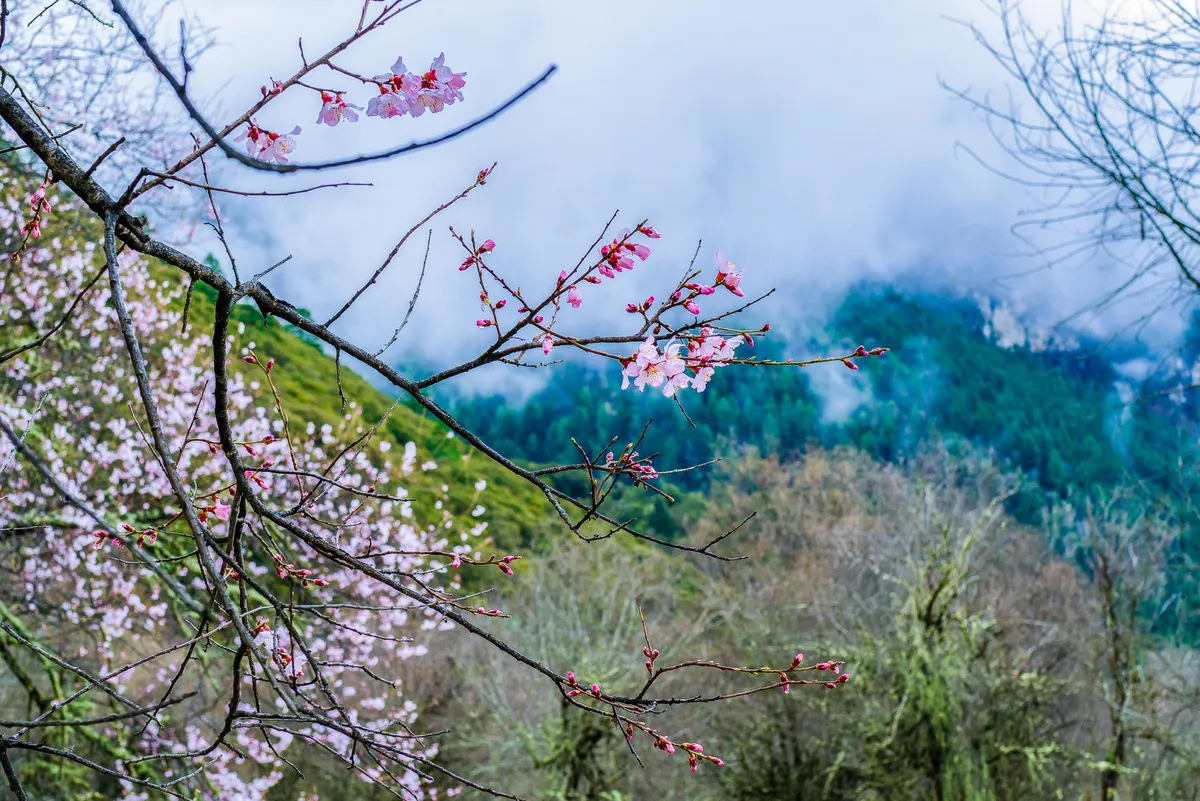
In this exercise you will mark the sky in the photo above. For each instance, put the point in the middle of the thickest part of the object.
(811, 142)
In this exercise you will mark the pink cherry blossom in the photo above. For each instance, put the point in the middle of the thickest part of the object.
(573, 297)
(251, 136)
(335, 109)
(727, 276)
(267, 145)
(547, 344)
(389, 103)
(439, 87)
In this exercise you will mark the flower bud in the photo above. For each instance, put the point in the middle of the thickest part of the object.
(249, 360)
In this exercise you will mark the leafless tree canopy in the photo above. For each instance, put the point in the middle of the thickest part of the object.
(1100, 120)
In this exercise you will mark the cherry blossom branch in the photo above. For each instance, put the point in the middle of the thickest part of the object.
(217, 137)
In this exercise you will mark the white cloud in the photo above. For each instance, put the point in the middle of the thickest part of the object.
(808, 140)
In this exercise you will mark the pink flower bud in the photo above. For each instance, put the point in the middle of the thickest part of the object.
(249, 360)
(482, 177)
(467, 262)
(505, 569)
(691, 306)
(646, 230)
(632, 308)
(456, 562)
(860, 351)
(538, 319)
(562, 277)
(523, 309)
(268, 439)
(490, 323)
(487, 247)
(596, 690)
(842, 679)
(571, 677)
(718, 762)
(878, 351)
(510, 558)
(270, 363)
(850, 364)
(649, 666)
(766, 327)
(547, 344)
(676, 296)
(797, 659)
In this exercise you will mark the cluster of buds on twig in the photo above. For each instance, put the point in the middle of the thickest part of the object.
(638, 468)
(861, 352)
(32, 228)
(285, 571)
(593, 691)
(267, 365)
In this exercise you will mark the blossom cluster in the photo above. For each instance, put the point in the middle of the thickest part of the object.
(400, 92)
(672, 368)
